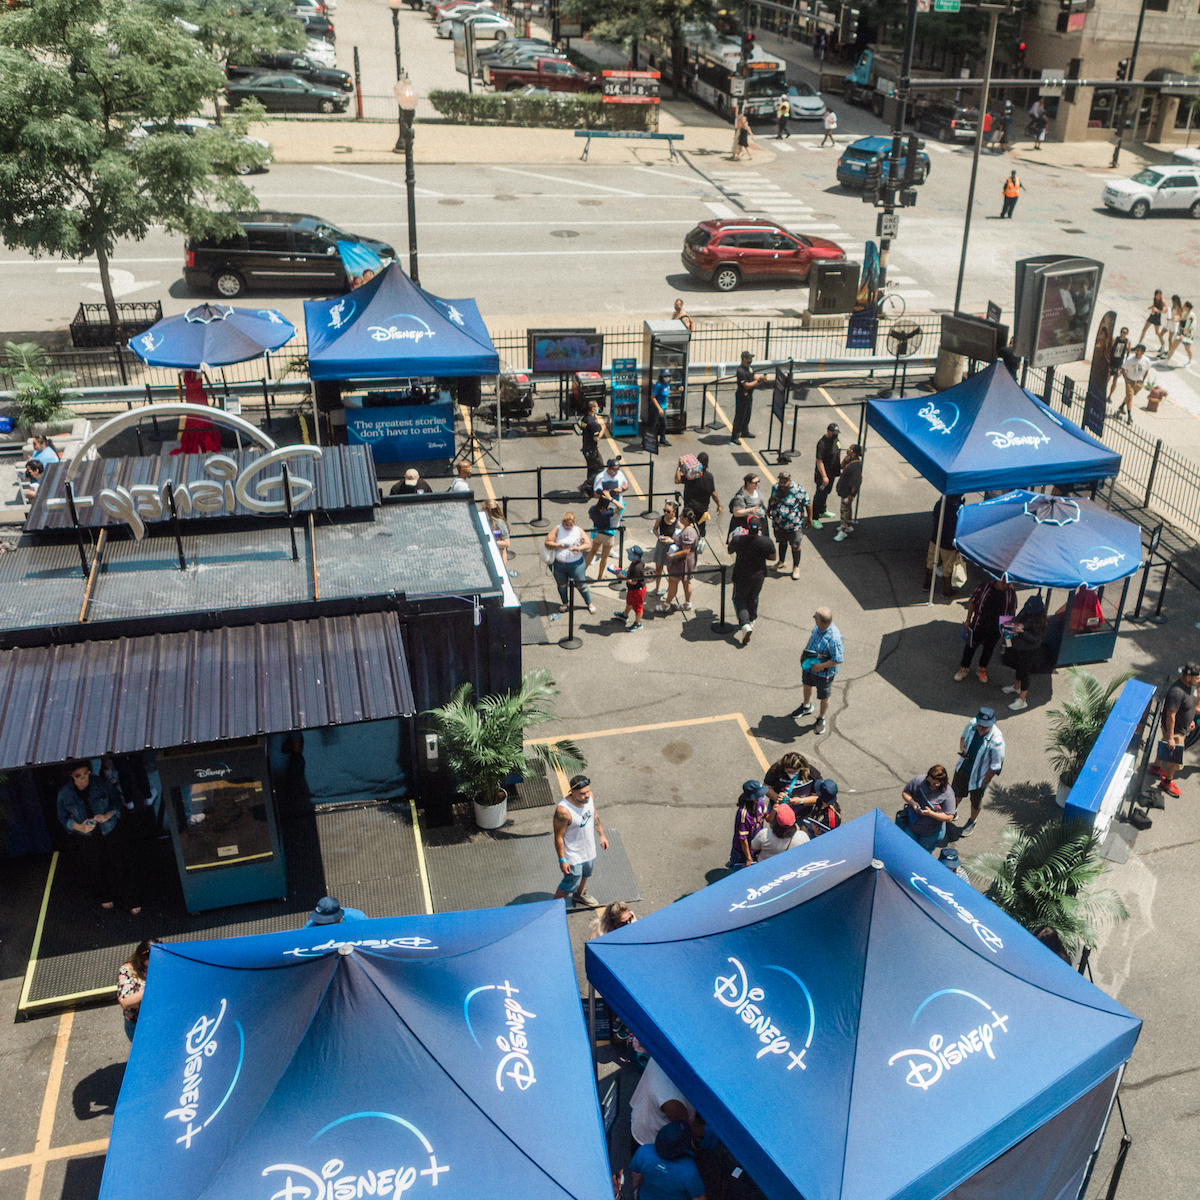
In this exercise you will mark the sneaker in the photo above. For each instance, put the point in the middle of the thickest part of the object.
(1170, 787)
(967, 829)
(619, 615)
(804, 710)
(588, 899)
(817, 524)
(196, 818)
(1011, 690)
(747, 632)
(982, 673)
(749, 435)
(826, 516)
(840, 536)
(961, 674)
(820, 725)
(1155, 769)
(1018, 704)
(795, 572)
(634, 628)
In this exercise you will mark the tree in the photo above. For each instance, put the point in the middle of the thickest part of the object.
(626, 21)
(76, 78)
(1044, 881)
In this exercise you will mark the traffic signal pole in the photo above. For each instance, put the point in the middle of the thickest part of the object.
(901, 99)
(1137, 37)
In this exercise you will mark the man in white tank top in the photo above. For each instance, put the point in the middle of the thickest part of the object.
(576, 828)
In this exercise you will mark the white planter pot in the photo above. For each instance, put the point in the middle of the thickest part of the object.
(1060, 796)
(491, 816)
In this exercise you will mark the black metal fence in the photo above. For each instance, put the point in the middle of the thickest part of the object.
(1162, 478)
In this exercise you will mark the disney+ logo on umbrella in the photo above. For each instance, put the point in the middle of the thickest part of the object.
(1005, 439)
(947, 1053)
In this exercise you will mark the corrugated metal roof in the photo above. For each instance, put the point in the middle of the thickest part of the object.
(343, 477)
(176, 689)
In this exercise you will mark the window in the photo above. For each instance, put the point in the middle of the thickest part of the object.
(270, 241)
(698, 238)
(1180, 181)
(750, 240)
(781, 241)
(1103, 103)
(309, 243)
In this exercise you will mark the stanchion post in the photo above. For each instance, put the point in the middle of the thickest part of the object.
(1136, 615)
(539, 522)
(703, 405)
(650, 494)
(570, 642)
(620, 554)
(795, 425)
(1158, 618)
(721, 626)
(715, 423)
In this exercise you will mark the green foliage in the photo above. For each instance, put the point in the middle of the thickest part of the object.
(1044, 880)
(235, 32)
(37, 393)
(1075, 727)
(622, 20)
(484, 743)
(559, 111)
(76, 76)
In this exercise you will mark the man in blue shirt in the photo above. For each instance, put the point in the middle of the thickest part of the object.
(819, 664)
(89, 809)
(660, 398)
(330, 912)
(667, 1170)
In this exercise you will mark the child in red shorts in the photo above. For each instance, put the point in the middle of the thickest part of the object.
(635, 595)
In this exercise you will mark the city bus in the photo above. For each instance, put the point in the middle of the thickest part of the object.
(715, 62)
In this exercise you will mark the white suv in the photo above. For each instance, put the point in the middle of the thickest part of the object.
(1165, 188)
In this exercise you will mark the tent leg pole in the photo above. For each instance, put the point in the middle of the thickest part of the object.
(592, 1024)
(937, 552)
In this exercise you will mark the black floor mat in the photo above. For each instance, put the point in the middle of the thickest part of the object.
(533, 625)
(534, 792)
(366, 857)
(490, 870)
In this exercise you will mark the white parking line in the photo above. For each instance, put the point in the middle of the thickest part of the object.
(374, 179)
(786, 148)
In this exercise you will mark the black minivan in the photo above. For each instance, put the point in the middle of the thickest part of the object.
(947, 122)
(276, 250)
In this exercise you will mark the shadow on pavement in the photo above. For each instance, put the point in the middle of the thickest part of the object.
(1028, 805)
(95, 1095)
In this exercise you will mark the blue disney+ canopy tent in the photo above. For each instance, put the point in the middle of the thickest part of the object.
(408, 1056)
(390, 328)
(987, 433)
(856, 1022)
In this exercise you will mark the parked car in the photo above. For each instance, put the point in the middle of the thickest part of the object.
(441, 11)
(947, 122)
(275, 250)
(728, 251)
(313, 6)
(852, 166)
(805, 102)
(485, 24)
(317, 25)
(511, 53)
(286, 93)
(513, 44)
(291, 63)
(554, 73)
(322, 53)
(191, 126)
(1164, 189)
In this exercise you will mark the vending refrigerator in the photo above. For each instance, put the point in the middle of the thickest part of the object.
(665, 348)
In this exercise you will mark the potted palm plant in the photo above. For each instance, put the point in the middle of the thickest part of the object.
(1075, 726)
(1044, 880)
(483, 742)
(38, 393)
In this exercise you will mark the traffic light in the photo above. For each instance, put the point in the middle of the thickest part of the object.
(747, 45)
(1123, 69)
(914, 171)
(1020, 54)
(908, 197)
(872, 178)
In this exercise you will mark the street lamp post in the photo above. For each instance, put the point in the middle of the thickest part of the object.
(406, 98)
(394, 5)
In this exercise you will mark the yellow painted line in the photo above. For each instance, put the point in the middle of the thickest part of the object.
(580, 737)
(480, 468)
(762, 466)
(634, 486)
(837, 409)
(59, 1001)
(762, 758)
(23, 1002)
(41, 1144)
(303, 428)
(78, 1150)
(412, 808)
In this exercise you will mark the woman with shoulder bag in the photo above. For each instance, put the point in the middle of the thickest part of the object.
(990, 601)
(664, 534)
(568, 544)
(682, 561)
(1029, 631)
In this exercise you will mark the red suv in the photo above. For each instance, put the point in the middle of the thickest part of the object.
(724, 253)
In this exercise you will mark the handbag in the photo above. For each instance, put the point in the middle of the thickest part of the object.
(701, 546)
(902, 817)
(547, 555)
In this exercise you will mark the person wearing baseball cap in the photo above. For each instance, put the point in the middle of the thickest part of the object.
(329, 912)
(980, 760)
(577, 829)
(748, 820)
(660, 399)
(1178, 719)
(782, 834)
(410, 485)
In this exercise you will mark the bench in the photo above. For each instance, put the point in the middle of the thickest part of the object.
(669, 138)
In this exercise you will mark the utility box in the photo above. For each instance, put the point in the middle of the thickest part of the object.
(832, 287)
(666, 347)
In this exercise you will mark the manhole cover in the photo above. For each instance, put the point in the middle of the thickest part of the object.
(591, 203)
(1122, 247)
(450, 202)
(564, 233)
(1071, 231)
(503, 196)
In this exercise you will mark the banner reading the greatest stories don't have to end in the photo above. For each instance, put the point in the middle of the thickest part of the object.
(412, 433)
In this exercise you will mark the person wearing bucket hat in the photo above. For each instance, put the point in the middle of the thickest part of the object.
(980, 760)
(748, 820)
(329, 912)
(667, 1170)
(949, 859)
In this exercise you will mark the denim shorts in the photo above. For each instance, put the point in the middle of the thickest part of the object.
(578, 872)
(823, 683)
